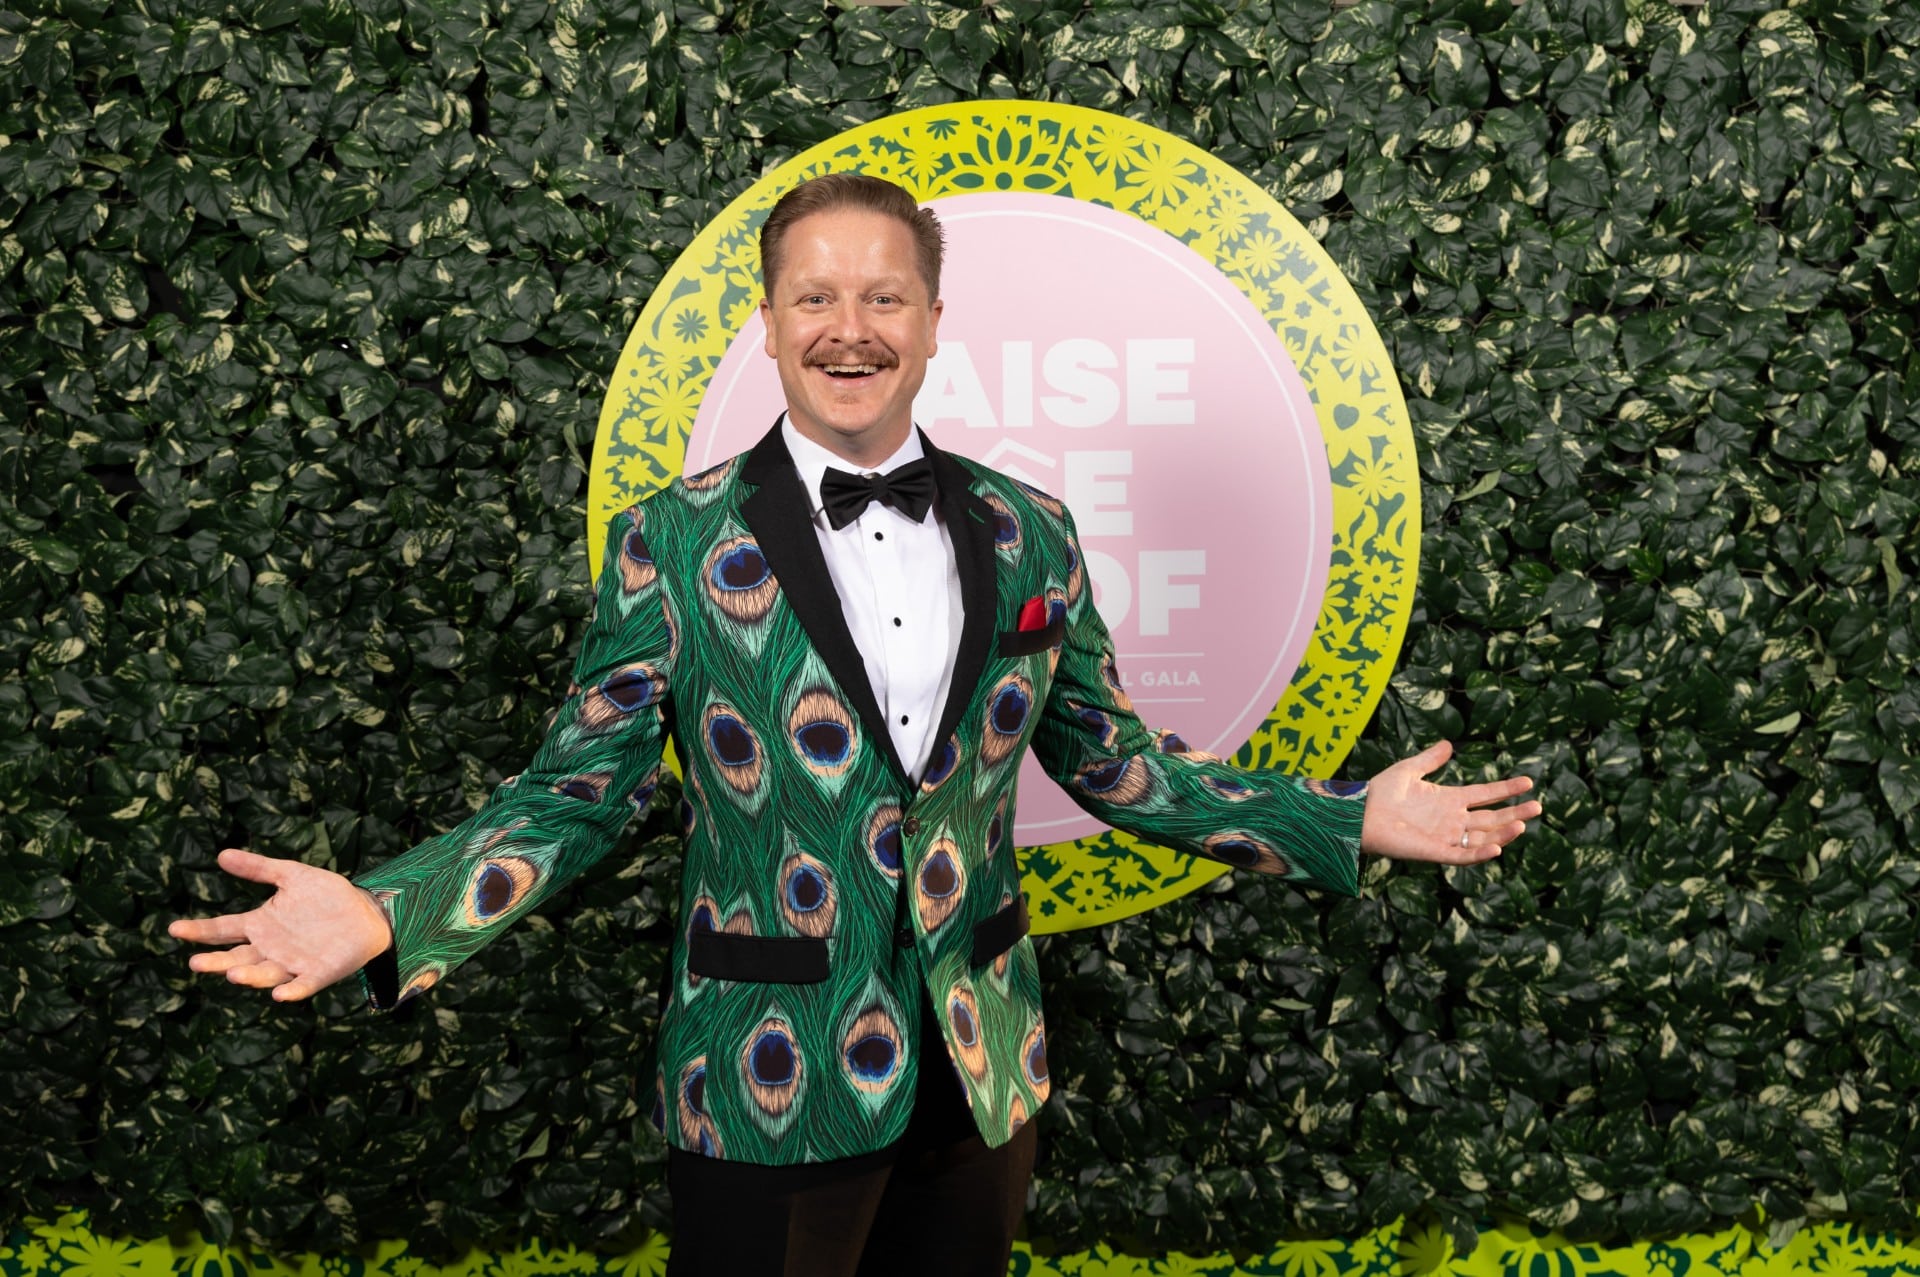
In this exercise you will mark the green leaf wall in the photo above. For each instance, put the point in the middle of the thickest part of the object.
(306, 312)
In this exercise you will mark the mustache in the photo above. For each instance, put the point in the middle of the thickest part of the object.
(878, 356)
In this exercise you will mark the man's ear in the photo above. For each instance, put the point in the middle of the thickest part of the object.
(766, 322)
(933, 327)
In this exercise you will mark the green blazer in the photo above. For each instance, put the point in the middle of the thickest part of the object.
(826, 892)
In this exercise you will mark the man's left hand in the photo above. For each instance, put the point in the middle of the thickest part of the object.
(1410, 818)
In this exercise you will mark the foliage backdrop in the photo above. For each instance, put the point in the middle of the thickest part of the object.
(306, 311)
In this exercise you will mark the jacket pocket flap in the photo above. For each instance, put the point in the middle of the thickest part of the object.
(722, 955)
(994, 936)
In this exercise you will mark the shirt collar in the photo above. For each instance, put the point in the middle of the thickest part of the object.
(812, 460)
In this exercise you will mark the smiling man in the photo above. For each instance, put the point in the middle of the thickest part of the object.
(855, 636)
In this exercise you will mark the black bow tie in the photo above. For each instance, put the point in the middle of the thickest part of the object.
(908, 489)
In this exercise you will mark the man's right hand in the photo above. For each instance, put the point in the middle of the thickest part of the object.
(316, 928)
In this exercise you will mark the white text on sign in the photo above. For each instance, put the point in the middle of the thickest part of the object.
(1089, 381)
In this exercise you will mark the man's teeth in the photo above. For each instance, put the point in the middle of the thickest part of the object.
(851, 370)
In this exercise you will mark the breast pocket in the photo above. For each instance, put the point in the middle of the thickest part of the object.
(1027, 642)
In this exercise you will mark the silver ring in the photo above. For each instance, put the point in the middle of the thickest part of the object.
(1463, 837)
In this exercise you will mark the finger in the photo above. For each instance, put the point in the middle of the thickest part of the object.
(260, 975)
(300, 988)
(1494, 791)
(223, 960)
(228, 928)
(1479, 849)
(1494, 818)
(1428, 760)
(255, 867)
(1506, 833)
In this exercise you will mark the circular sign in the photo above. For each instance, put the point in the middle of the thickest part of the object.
(1141, 330)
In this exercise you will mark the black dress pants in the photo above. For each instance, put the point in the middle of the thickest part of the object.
(937, 1203)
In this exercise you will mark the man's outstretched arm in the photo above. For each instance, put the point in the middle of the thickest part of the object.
(440, 903)
(1150, 783)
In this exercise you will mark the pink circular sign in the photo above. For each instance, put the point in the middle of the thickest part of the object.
(1100, 359)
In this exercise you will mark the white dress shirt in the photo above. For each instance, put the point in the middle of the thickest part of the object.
(899, 589)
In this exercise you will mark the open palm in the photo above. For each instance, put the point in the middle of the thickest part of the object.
(315, 929)
(1411, 818)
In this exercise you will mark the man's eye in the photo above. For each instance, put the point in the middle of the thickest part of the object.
(885, 299)
(814, 299)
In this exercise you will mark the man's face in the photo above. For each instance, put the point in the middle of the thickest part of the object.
(851, 326)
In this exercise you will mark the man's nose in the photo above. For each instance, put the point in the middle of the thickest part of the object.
(850, 321)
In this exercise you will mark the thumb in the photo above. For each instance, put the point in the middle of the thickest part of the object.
(253, 866)
(1431, 759)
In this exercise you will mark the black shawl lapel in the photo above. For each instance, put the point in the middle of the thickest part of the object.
(970, 523)
(778, 515)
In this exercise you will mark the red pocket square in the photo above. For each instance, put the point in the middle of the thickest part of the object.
(1033, 614)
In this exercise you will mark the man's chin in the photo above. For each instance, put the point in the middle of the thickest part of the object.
(857, 433)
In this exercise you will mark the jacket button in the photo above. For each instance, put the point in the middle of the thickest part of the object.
(903, 937)
(910, 826)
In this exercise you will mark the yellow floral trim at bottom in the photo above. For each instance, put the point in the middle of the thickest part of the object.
(68, 1248)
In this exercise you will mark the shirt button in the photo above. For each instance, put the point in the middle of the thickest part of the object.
(879, 536)
(910, 826)
(903, 937)
(896, 620)
(903, 720)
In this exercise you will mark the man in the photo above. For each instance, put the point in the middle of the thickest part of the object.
(854, 636)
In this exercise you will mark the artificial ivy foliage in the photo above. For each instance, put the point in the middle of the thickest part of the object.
(306, 312)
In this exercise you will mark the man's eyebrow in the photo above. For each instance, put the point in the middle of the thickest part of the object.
(883, 284)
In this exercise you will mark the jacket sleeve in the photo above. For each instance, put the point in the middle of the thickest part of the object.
(596, 769)
(1151, 784)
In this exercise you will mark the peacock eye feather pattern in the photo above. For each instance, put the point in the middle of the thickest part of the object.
(637, 568)
(423, 980)
(697, 1129)
(740, 582)
(998, 830)
(772, 1073)
(612, 702)
(1097, 721)
(734, 749)
(1245, 851)
(641, 795)
(590, 787)
(965, 1032)
(1231, 788)
(940, 885)
(874, 1048)
(884, 844)
(823, 733)
(1173, 745)
(1009, 706)
(1033, 1061)
(1006, 528)
(703, 487)
(807, 897)
(1043, 500)
(1124, 782)
(496, 887)
(946, 760)
(1351, 790)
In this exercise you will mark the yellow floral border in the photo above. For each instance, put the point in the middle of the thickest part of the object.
(1050, 149)
(68, 1248)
